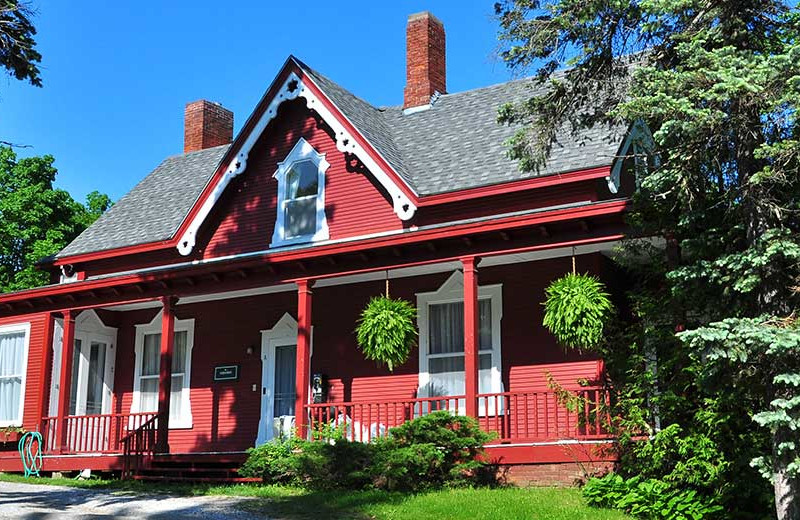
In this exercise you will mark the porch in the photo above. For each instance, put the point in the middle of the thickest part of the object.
(498, 374)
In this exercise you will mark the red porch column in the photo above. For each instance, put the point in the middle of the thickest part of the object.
(471, 334)
(65, 381)
(303, 361)
(165, 373)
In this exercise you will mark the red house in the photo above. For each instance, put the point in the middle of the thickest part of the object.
(214, 306)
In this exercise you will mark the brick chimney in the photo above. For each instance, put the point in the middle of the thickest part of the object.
(206, 124)
(425, 63)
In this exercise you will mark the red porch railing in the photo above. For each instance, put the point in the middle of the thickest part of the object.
(542, 416)
(138, 445)
(513, 416)
(93, 433)
(365, 421)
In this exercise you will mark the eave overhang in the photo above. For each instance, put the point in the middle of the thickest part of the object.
(484, 237)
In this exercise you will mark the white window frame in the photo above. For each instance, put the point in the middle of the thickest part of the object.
(14, 329)
(452, 291)
(302, 151)
(184, 419)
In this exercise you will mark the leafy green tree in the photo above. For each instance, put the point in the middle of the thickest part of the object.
(36, 219)
(718, 84)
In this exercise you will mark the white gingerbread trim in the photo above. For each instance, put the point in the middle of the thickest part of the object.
(291, 89)
(302, 151)
(641, 140)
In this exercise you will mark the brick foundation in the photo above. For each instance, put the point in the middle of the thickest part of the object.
(556, 474)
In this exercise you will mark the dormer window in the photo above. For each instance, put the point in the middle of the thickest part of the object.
(301, 197)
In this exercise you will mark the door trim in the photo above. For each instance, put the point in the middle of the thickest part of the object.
(283, 333)
(88, 327)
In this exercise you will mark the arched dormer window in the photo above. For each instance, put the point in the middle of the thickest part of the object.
(301, 197)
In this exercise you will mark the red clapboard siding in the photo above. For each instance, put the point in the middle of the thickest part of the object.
(34, 380)
(507, 203)
(245, 217)
(533, 378)
(226, 415)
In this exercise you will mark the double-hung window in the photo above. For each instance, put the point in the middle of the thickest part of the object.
(441, 324)
(13, 363)
(148, 360)
(446, 347)
(301, 197)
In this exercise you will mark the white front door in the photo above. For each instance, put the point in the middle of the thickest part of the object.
(92, 375)
(278, 390)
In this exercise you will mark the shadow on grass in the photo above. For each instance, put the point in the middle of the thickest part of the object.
(350, 505)
(272, 501)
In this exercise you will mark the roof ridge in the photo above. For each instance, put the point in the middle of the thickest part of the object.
(474, 89)
(326, 78)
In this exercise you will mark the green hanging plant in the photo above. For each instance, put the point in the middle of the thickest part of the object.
(576, 309)
(386, 332)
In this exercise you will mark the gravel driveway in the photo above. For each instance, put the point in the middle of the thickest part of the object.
(31, 501)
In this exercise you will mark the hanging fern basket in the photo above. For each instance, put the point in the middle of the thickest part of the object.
(386, 332)
(576, 309)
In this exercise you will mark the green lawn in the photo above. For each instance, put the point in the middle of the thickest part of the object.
(296, 504)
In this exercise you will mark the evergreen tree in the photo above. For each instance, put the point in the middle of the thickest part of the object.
(718, 84)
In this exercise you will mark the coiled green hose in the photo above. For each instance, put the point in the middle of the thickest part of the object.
(31, 456)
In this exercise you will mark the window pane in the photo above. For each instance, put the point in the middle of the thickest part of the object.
(485, 324)
(10, 388)
(301, 180)
(179, 352)
(301, 217)
(151, 354)
(446, 328)
(73, 392)
(12, 352)
(176, 397)
(94, 390)
(446, 364)
(148, 389)
(285, 357)
(456, 364)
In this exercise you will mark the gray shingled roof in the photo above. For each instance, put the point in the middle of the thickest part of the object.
(154, 209)
(456, 144)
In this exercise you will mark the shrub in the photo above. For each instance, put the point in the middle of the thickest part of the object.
(273, 461)
(340, 464)
(431, 451)
(649, 499)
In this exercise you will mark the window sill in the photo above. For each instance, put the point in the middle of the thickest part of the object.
(306, 239)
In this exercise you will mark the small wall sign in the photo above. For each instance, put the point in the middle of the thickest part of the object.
(226, 373)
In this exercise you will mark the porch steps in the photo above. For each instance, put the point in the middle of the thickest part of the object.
(189, 468)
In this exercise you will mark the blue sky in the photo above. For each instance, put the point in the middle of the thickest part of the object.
(118, 74)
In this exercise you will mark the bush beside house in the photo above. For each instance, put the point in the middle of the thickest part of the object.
(429, 452)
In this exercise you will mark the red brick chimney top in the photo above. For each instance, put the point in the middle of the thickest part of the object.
(425, 59)
(206, 124)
